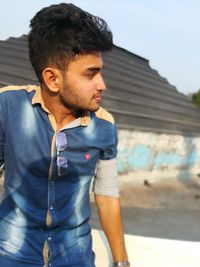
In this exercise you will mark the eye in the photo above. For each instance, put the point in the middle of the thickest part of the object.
(90, 75)
(92, 72)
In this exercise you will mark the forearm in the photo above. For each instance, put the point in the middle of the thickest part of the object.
(111, 221)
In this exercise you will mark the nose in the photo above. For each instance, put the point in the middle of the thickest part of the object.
(101, 86)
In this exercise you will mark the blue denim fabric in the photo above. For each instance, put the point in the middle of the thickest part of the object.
(38, 205)
(14, 263)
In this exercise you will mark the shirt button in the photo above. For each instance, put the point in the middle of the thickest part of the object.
(49, 238)
(51, 207)
(50, 264)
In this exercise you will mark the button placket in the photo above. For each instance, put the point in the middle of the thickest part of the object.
(51, 196)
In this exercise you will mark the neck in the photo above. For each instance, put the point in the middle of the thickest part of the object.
(62, 114)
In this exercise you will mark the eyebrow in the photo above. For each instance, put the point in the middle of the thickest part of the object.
(94, 69)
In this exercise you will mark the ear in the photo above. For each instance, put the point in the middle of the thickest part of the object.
(51, 77)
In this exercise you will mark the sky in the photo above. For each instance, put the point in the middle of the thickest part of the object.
(166, 32)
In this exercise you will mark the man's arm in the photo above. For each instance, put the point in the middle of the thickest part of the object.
(109, 211)
(107, 199)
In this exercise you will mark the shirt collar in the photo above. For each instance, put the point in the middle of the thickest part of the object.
(37, 99)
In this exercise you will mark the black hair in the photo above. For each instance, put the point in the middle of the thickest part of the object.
(61, 32)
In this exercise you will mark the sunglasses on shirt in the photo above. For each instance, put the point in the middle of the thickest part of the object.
(61, 144)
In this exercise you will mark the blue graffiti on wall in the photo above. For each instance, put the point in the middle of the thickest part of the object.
(191, 158)
(171, 158)
(142, 157)
(139, 157)
(134, 158)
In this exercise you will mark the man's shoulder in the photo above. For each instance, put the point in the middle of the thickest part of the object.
(103, 114)
(10, 88)
(9, 93)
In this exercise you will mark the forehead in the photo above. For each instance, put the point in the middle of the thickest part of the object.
(84, 62)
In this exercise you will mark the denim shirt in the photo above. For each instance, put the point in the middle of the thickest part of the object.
(44, 217)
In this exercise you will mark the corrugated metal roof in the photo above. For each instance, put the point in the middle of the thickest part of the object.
(138, 96)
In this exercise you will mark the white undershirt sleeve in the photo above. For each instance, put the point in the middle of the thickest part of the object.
(105, 179)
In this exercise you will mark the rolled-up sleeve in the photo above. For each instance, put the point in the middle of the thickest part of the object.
(105, 179)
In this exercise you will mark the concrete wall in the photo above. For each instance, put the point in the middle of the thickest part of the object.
(151, 156)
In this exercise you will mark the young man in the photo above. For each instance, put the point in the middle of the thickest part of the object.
(53, 140)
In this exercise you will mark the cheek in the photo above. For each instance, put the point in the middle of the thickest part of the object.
(86, 89)
(80, 88)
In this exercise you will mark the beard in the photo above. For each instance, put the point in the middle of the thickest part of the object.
(75, 101)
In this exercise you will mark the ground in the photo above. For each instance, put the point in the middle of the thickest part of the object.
(168, 194)
(168, 209)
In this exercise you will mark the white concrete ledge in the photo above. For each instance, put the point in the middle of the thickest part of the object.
(150, 252)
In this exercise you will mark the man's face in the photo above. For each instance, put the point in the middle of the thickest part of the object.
(82, 84)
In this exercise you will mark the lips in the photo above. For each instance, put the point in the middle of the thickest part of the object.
(97, 98)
